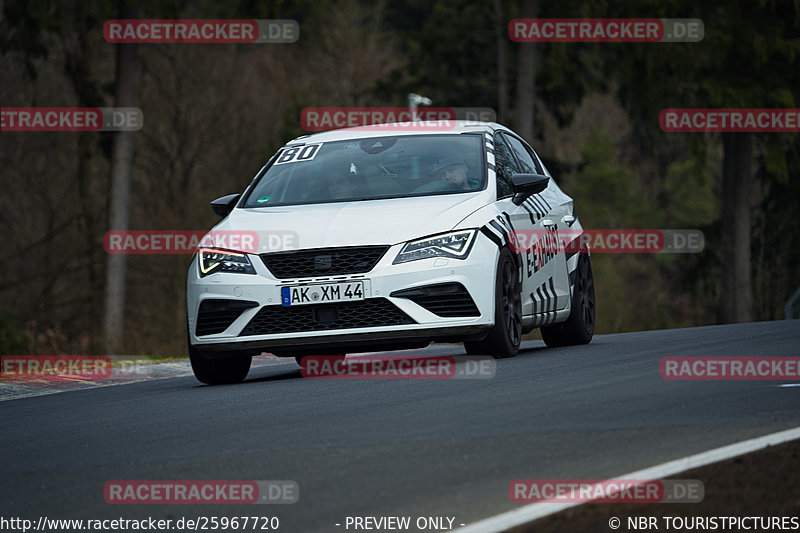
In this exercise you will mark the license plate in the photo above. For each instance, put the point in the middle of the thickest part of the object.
(322, 293)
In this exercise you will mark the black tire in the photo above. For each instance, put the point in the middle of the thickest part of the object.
(505, 336)
(579, 326)
(231, 369)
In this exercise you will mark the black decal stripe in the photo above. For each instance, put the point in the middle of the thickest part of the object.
(499, 228)
(539, 208)
(530, 212)
(553, 292)
(540, 205)
(494, 238)
(546, 315)
(532, 206)
(572, 247)
(541, 299)
(508, 219)
(503, 223)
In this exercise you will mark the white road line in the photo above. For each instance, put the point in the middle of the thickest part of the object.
(534, 511)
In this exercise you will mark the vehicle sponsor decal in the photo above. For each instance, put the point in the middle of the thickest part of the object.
(544, 303)
(297, 154)
(540, 251)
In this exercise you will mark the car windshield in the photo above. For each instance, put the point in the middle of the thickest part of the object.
(371, 169)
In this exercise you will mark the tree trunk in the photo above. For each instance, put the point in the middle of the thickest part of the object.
(736, 296)
(121, 167)
(526, 81)
(501, 26)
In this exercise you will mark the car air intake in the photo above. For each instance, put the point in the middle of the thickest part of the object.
(215, 316)
(442, 299)
(370, 313)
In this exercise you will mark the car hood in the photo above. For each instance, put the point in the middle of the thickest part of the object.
(389, 221)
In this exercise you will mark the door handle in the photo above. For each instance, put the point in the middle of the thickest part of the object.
(547, 223)
(569, 220)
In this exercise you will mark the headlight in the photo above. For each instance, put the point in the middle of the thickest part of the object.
(455, 245)
(213, 261)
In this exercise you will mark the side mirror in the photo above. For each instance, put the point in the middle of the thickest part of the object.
(224, 205)
(526, 185)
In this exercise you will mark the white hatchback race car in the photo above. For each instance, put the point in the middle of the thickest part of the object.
(390, 237)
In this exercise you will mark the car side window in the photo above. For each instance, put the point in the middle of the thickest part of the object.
(529, 163)
(505, 167)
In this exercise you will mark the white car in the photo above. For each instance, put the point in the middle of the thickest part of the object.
(400, 235)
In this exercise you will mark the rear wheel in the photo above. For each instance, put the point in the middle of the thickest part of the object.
(506, 334)
(232, 369)
(579, 327)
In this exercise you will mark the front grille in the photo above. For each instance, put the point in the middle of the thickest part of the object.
(214, 316)
(374, 312)
(323, 261)
(443, 299)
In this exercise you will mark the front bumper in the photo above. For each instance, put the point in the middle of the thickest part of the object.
(247, 316)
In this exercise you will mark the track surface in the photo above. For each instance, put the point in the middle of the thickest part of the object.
(393, 447)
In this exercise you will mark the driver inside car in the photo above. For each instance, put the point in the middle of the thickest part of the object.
(452, 170)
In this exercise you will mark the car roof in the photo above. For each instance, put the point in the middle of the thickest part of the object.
(398, 129)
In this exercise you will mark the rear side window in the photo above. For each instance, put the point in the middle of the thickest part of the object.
(505, 167)
(529, 164)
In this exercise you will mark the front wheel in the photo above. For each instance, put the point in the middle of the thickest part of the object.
(219, 371)
(506, 334)
(579, 326)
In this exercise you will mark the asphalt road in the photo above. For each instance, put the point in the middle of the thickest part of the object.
(444, 448)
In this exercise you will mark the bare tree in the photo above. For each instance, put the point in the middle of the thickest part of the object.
(121, 167)
(526, 80)
(502, 61)
(736, 296)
